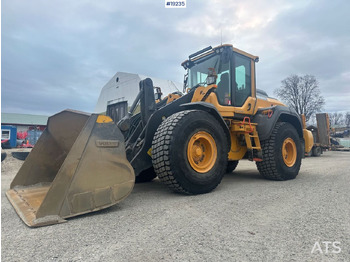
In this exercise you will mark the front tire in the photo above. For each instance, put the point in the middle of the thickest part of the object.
(281, 153)
(189, 152)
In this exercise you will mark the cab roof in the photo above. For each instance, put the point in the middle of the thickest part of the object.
(210, 50)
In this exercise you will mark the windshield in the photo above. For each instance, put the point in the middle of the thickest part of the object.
(198, 73)
(233, 70)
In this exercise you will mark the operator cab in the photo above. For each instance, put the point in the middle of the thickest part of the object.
(233, 72)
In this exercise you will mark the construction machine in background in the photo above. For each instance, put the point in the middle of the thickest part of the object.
(321, 135)
(83, 163)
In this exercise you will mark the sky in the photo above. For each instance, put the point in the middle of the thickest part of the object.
(59, 54)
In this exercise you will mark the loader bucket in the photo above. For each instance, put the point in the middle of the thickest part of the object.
(77, 166)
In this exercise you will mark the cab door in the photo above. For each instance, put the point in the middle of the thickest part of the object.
(236, 85)
(242, 97)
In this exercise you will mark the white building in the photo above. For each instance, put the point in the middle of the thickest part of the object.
(125, 87)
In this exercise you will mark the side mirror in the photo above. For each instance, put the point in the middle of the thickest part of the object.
(211, 80)
(158, 94)
(212, 76)
(185, 83)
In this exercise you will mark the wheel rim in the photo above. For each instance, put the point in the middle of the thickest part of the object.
(202, 152)
(289, 152)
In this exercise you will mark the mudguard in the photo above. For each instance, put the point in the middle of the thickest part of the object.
(266, 119)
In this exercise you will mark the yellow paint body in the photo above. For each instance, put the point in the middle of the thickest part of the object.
(240, 143)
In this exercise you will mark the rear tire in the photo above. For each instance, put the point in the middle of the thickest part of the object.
(189, 152)
(281, 153)
(231, 166)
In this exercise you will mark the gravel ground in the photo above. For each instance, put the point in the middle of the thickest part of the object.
(246, 218)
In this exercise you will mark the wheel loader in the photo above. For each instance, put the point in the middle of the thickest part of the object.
(84, 163)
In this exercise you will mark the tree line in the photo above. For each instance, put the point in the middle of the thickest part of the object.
(339, 119)
(304, 95)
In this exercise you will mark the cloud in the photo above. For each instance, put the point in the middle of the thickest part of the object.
(59, 54)
(231, 18)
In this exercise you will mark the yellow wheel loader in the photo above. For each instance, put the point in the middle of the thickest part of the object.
(83, 163)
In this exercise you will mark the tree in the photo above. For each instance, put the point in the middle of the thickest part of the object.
(336, 119)
(301, 93)
(347, 119)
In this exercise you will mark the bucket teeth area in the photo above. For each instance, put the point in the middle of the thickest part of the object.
(27, 201)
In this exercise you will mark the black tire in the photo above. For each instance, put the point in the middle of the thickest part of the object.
(169, 152)
(20, 155)
(316, 151)
(231, 166)
(273, 166)
(146, 176)
(3, 156)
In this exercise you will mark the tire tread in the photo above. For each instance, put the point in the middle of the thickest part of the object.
(267, 168)
(161, 151)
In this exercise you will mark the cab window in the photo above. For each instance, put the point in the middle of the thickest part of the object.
(224, 87)
(242, 80)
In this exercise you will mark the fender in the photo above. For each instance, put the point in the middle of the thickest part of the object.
(267, 122)
(140, 159)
